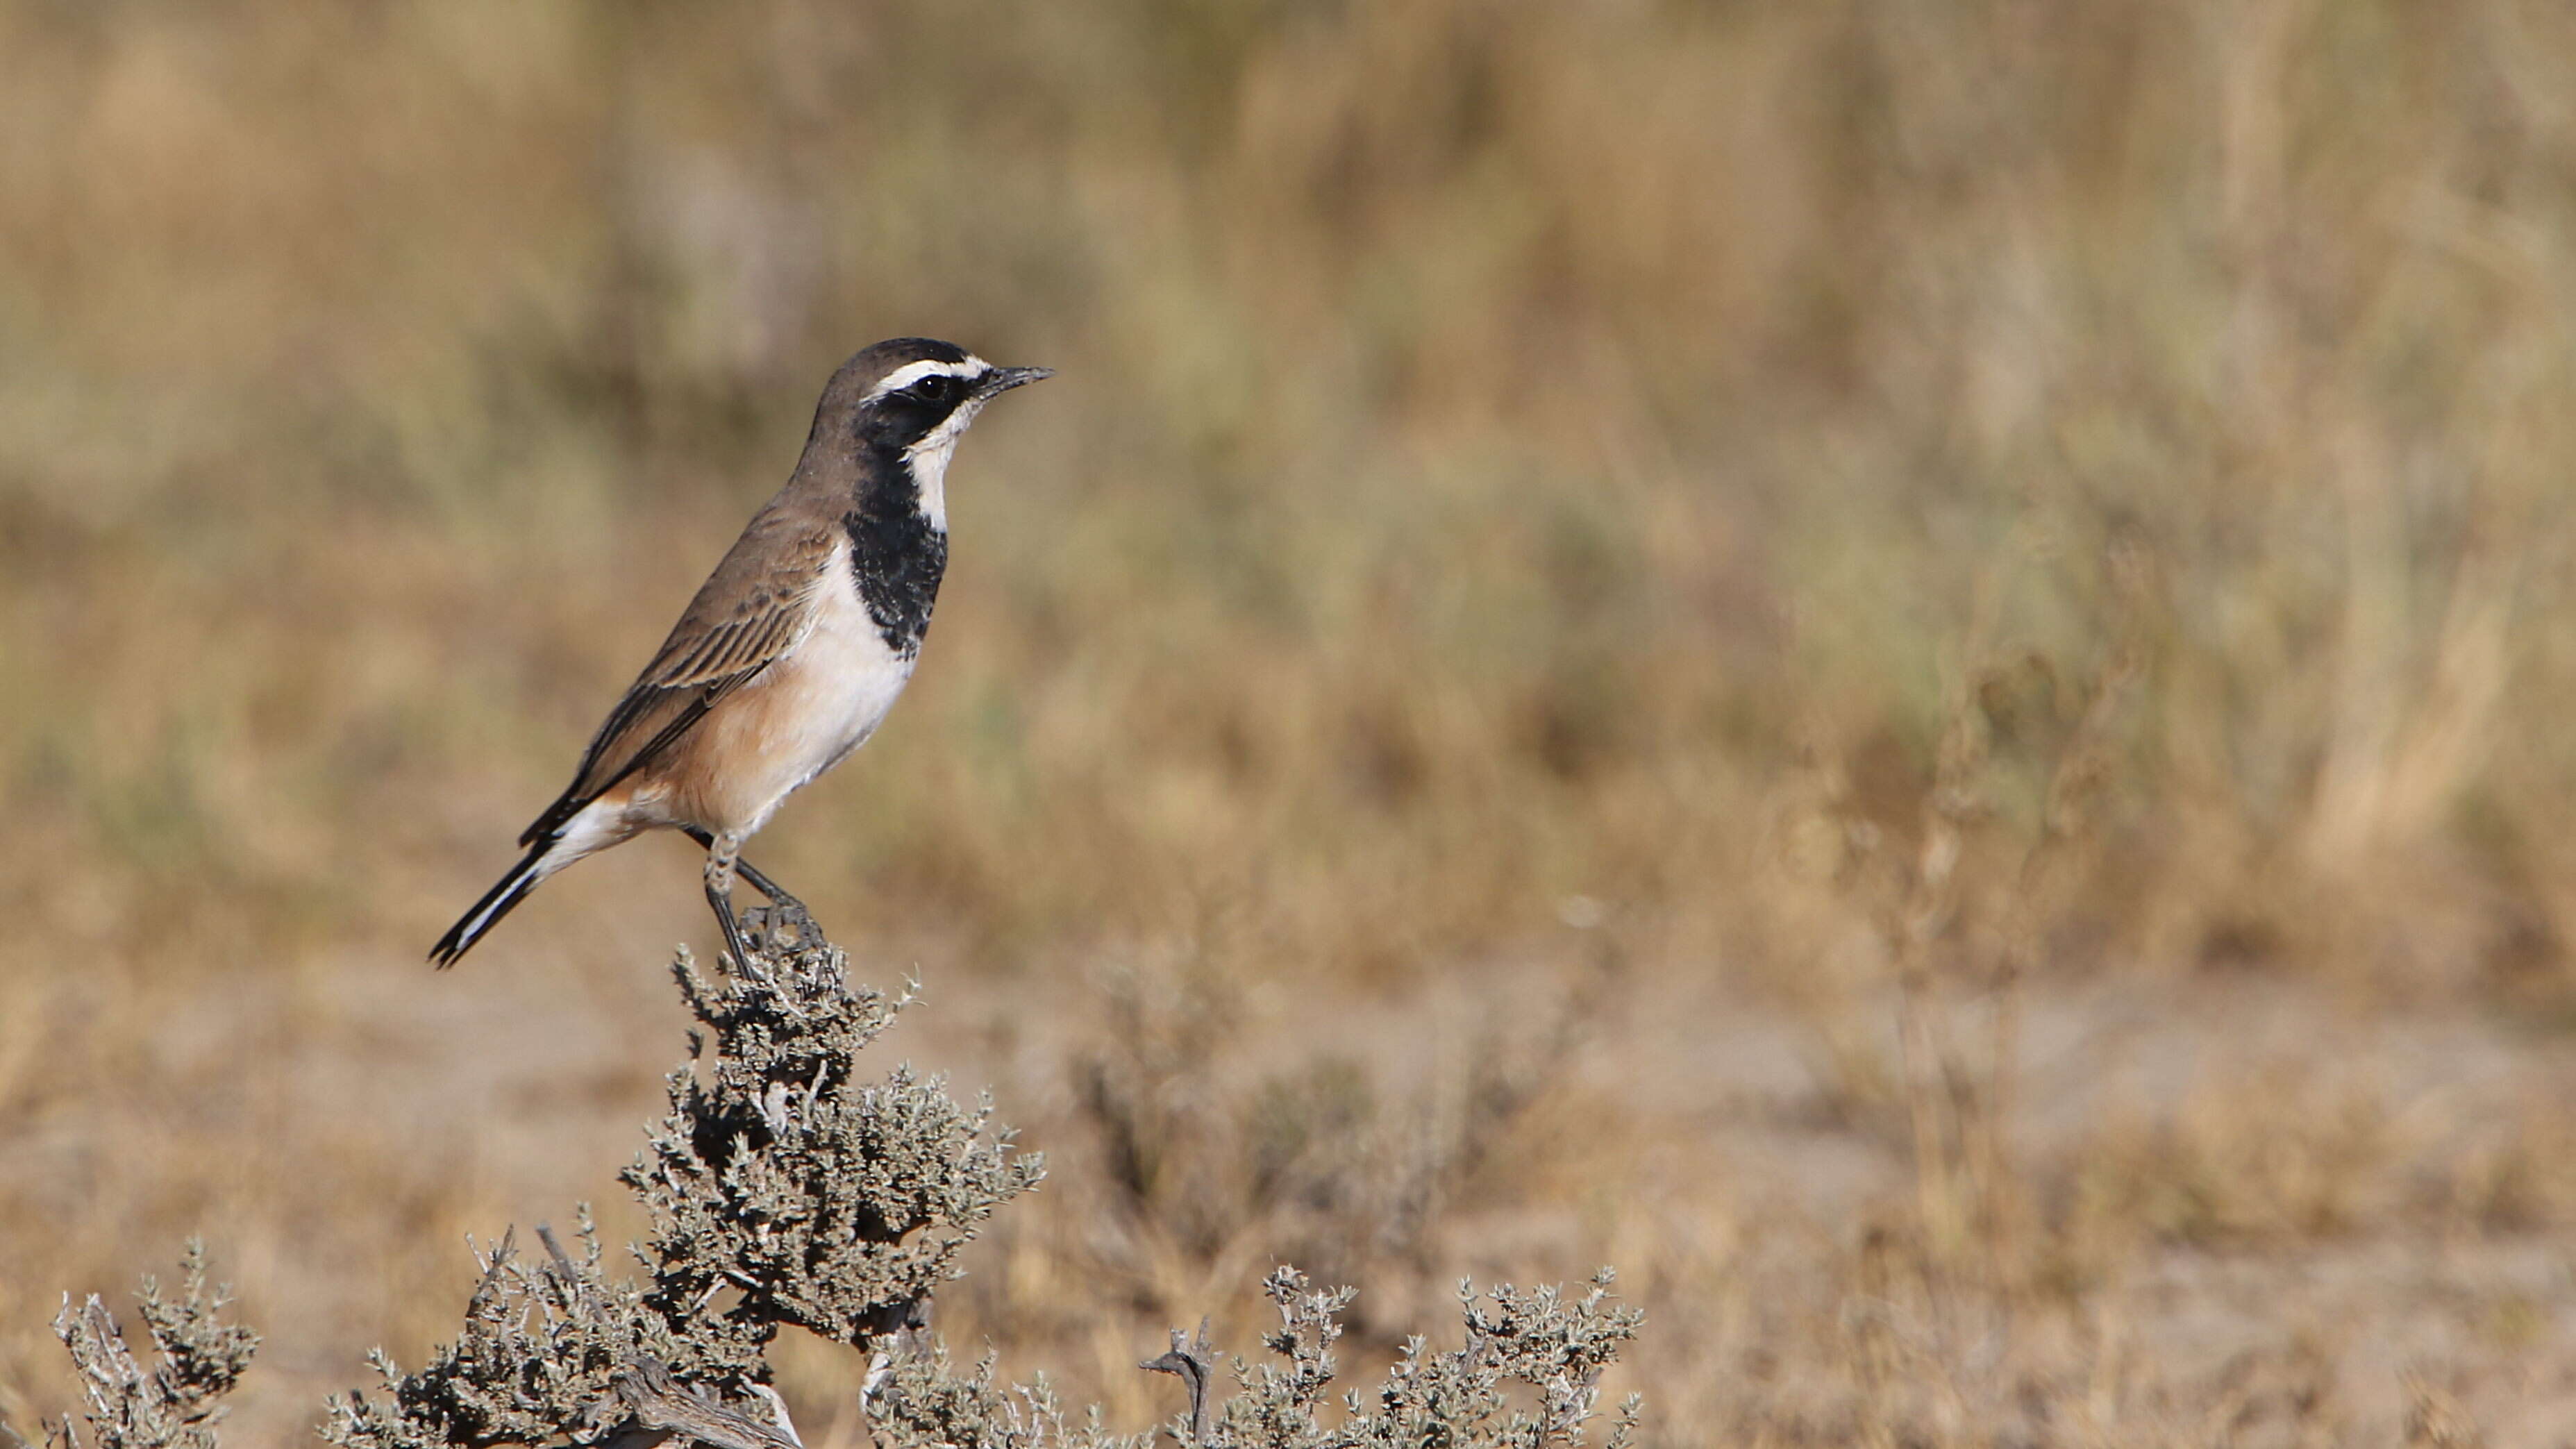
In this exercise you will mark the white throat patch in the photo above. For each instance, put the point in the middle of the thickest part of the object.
(929, 460)
(929, 457)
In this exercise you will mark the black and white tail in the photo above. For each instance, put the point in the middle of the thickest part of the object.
(496, 903)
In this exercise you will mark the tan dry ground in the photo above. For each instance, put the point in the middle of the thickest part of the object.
(2247, 1211)
(1901, 667)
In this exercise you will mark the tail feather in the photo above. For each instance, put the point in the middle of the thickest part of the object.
(497, 902)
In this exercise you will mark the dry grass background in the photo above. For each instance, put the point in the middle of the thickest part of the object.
(1902, 666)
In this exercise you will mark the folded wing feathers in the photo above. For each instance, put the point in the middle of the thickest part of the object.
(702, 664)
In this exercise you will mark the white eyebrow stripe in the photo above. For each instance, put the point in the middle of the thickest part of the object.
(911, 372)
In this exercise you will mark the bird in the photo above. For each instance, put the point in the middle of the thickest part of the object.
(793, 650)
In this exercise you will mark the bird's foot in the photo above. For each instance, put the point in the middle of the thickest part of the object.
(780, 922)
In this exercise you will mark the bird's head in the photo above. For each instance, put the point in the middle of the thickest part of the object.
(915, 395)
(895, 411)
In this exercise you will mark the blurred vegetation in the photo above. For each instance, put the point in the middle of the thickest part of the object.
(1511, 465)
(1498, 445)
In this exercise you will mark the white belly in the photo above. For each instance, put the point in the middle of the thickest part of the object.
(828, 695)
(848, 674)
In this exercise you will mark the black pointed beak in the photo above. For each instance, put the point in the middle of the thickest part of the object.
(1003, 379)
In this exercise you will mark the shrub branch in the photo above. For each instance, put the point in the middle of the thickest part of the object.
(783, 1189)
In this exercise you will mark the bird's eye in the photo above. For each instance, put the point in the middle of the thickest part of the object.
(936, 388)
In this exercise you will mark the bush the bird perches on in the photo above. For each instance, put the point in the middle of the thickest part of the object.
(783, 1190)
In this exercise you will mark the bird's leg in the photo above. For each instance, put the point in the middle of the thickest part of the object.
(720, 869)
(782, 906)
(776, 893)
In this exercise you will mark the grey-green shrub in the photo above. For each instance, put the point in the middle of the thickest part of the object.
(782, 1189)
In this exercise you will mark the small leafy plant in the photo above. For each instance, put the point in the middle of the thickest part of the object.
(172, 1406)
(783, 1189)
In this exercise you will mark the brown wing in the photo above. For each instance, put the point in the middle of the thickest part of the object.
(748, 613)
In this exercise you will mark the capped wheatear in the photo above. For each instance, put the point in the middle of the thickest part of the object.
(794, 648)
